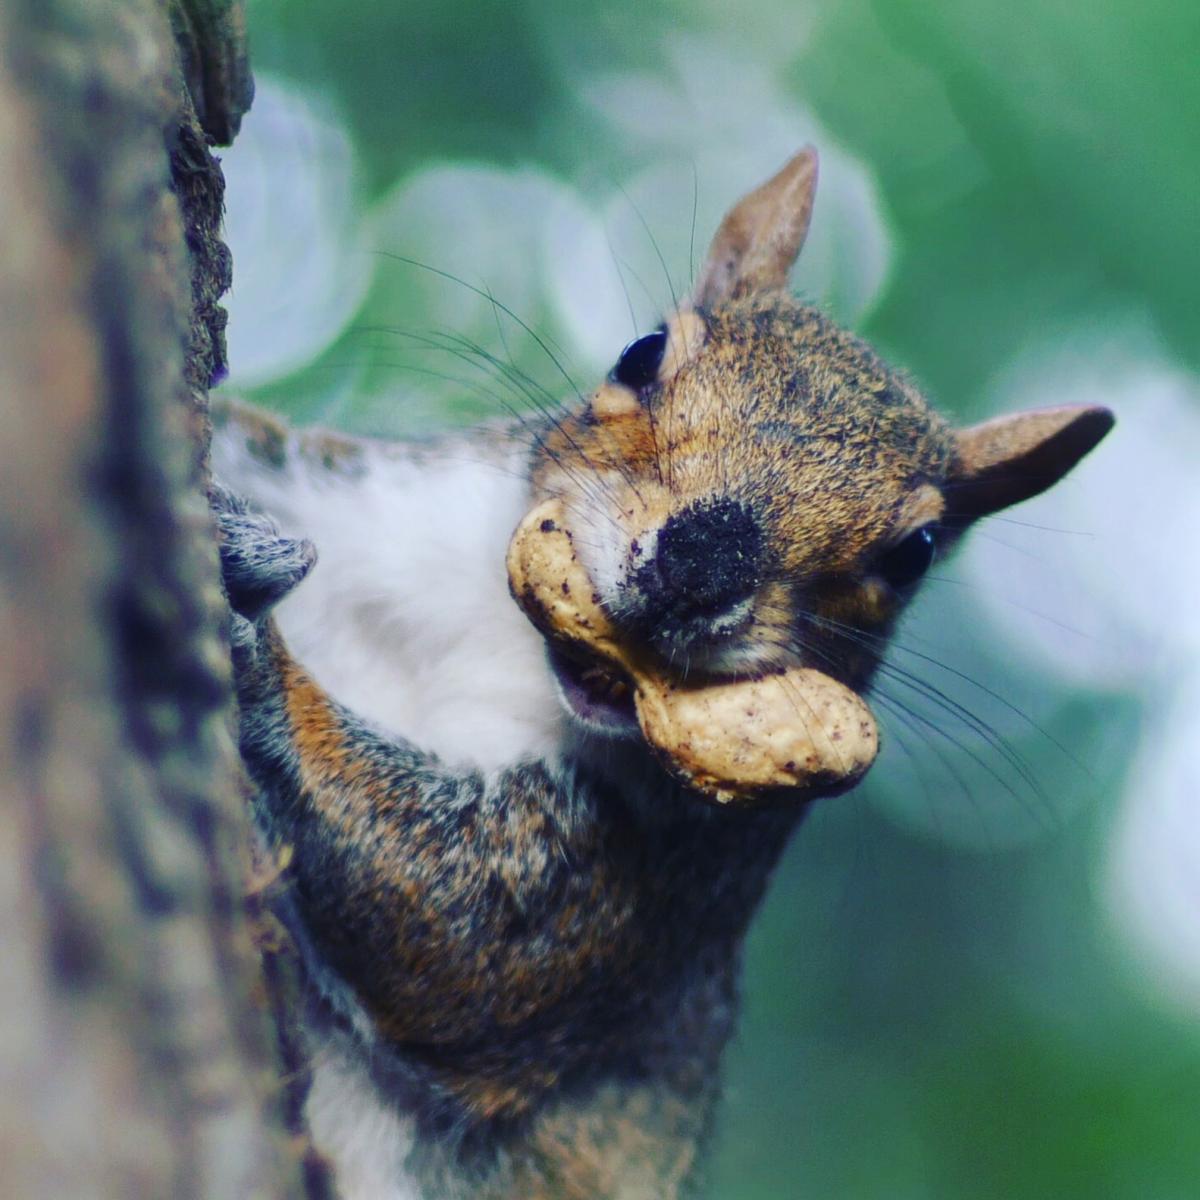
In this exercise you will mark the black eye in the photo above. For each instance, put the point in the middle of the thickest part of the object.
(639, 362)
(908, 560)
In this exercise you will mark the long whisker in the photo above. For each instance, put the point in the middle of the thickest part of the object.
(616, 261)
(538, 339)
(896, 644)
(955, 709)
(662, 262)
(520, 381)
(549, 410)
(692, 234)
(510, 369)
(591, 484)
(1085, 533)
(981, 728)
(915, 723)
(1033, 612)
(960, 713)
(791, 687)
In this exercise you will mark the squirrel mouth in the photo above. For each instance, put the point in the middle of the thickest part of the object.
(598, 695)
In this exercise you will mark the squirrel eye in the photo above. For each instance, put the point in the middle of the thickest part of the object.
(908, 560)
(639, 362)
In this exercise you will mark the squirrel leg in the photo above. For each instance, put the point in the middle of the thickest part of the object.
(451, 903)
(507, 935)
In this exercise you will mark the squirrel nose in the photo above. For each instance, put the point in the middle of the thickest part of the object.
(707, 560)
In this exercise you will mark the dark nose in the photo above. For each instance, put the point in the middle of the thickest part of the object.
(708, 559)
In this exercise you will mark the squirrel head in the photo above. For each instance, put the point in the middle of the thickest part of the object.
(752, 488)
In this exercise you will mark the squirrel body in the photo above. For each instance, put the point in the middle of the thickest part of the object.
(378, 627)
(419, 636)
(522, 934)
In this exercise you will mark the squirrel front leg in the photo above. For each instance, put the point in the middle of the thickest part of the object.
(541, 961)
(413, 877)
(461, 910)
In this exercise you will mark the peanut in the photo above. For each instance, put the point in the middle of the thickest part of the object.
(737, 741)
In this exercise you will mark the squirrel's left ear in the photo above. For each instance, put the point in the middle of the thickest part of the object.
(1008, 459)
(760, 237)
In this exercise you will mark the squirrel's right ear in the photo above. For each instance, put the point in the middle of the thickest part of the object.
(1008, 459)
(760, 237)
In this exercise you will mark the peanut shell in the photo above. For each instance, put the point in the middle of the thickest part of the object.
(736, 741)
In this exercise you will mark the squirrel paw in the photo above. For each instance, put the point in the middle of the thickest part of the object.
(259, 565)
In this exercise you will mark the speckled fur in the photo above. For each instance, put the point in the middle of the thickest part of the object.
(490, 947)
(523, 940)
(804, 425)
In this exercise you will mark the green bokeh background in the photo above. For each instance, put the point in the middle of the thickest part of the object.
(926, 1017)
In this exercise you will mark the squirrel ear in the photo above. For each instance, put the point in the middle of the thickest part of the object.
(1008, 459)
(760, 237)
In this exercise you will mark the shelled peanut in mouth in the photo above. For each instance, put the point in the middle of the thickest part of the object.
(736, 742)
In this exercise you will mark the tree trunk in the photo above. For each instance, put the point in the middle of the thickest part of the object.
(137, 1056)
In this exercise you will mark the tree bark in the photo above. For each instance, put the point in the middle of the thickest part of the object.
(137, 1056)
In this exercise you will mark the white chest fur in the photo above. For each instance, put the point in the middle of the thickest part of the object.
(406, 617)
(369, 1144)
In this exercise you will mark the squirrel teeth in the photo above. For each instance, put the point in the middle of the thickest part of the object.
(798, 732)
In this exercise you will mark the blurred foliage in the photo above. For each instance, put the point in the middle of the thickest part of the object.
(938, 1005)
(1082, 120)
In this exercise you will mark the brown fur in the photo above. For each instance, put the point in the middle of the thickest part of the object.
(838, 456)
(762, 400)
(636, 1143)
(438, 982)
(266, 438)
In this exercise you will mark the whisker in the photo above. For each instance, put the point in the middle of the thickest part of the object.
(1033, 612)
(1086, 533)
(991, 693)
(913, 722)
(981, 728)
(1024, 551)
(651, 300)
(959, 712)
(790, 686)
(612, 253)
(662, 262)
(591, 485)
(692, 234)
(550, 409)
(538, 340)
(509, 369)
(547, 408)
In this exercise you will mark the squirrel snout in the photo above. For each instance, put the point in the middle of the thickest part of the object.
(697, 586)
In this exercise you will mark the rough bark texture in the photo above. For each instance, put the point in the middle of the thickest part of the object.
(136, 1053)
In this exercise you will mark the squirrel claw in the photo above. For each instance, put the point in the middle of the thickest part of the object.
(259, 566)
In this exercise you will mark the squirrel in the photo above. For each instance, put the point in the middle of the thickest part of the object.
(521, 933)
